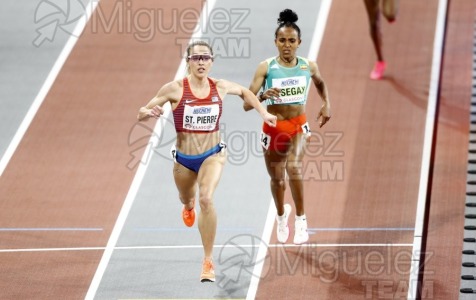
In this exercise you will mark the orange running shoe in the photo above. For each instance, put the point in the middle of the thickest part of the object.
(188, 216)
(208, 271)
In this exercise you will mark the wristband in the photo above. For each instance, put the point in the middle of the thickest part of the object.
(261, 99)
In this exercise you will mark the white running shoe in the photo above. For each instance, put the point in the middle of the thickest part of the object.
(282, 228)
(300, 232)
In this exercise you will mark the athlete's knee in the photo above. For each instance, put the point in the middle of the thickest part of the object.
(278, 182)
(294, 169)
(206, 201)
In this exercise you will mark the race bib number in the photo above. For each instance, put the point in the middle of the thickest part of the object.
(293, 89)
(265, 140)
(201, 118)
(173, 153)
(306, 129)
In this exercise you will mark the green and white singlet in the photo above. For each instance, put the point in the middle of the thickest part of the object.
(294, 82)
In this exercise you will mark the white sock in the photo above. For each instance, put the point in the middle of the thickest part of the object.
(281, 218)
(301, 218)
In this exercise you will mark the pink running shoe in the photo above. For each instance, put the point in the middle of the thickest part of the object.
(377, 72)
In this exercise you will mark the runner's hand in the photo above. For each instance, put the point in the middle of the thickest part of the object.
(272, 93)
(270, 119)
(156, 112)
(325, 113)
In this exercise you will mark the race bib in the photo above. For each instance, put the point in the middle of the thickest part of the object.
(306, 129)
(265, 140)
(293, 89)
(173, 153)
(201, 118)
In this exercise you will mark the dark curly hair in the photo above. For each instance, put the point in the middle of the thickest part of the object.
(287, 18)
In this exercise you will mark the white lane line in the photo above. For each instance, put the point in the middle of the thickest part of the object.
(139, 176)
(200, 246)
(262, 251)
(40, 97)
(46, 229)
(319, 29)
(427, 147)
(51, 249)
(268, 227)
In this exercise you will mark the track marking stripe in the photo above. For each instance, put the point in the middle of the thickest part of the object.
(427, 148)
(200, 246)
